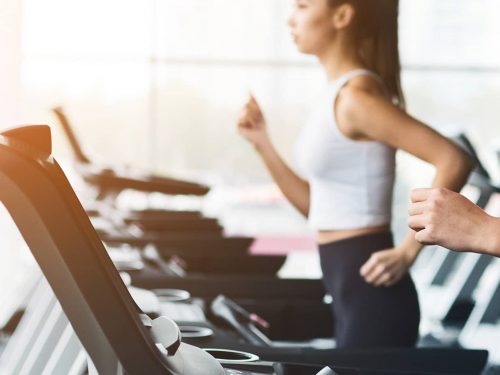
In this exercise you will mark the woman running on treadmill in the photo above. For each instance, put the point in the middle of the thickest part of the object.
(448, 219)
(346, 156)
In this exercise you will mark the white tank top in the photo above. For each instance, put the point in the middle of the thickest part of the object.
(351, 182)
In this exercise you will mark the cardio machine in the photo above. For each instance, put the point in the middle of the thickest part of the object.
(116, 334)
(197, 241)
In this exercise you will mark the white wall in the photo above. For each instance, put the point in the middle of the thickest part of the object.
(10, 62)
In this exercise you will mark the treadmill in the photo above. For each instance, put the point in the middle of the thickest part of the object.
(201, 261)
(198, 241)
(482, 330)
(205, 263)
(111, 181)
(116, 334)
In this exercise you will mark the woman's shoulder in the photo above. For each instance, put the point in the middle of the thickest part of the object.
(364, 85)
(359, 98)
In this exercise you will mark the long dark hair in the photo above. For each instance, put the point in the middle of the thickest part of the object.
(375, 31)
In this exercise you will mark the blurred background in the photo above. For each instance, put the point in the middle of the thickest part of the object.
(158, 84)
(166, 78)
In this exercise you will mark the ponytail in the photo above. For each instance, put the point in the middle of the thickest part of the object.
(375, 29)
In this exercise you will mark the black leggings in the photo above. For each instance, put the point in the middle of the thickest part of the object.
(366, 316)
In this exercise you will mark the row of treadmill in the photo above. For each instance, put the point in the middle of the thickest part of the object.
(158, 291)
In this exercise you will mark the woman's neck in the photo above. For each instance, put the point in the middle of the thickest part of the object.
(339, 59)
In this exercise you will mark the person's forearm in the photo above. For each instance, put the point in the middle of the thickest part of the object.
(452, 173)
(490, 236)
(295, 189)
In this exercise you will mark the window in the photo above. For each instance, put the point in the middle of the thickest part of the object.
(165, 79)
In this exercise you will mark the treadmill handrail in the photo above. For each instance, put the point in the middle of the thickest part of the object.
(73, 140)
(73, 259)
(112, 180)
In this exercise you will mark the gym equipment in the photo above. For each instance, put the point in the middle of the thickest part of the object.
(198, 240)
(115, 332)
(482, 329)
(111, 181)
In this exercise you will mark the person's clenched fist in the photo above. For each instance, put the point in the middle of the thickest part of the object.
(252, 125)
(442, 217)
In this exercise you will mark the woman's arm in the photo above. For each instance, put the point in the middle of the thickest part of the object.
(252, 126)
(295, 189)
(363, 115)
(445, 218)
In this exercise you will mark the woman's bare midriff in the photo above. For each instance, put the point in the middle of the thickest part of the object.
(337, 235)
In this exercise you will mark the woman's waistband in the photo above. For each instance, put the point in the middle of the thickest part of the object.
(359, 245)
